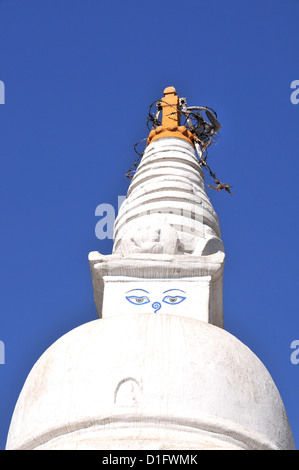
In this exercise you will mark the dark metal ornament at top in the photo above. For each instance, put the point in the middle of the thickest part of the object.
(203, 128)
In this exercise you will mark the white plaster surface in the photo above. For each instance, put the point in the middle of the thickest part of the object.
(144, 381)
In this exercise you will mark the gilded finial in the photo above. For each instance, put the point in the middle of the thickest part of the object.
(171, 119)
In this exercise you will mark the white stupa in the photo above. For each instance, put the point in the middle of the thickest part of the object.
(156, 370)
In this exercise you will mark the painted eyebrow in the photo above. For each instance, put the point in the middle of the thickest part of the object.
(137, 289)
(169, 290)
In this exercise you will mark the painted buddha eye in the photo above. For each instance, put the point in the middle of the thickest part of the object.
(138, 300)
(173, 299)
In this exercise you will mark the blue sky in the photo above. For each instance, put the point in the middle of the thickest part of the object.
(79, 77)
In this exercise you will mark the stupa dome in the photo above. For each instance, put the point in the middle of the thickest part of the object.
(149, 381)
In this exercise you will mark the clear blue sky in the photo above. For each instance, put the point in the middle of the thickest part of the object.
(79, 77)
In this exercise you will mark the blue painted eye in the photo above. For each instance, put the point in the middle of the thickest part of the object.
(173, 300)
(138, 300)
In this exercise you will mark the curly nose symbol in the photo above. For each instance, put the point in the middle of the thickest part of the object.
(156, 306)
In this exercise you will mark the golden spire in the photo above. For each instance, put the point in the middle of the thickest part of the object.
(171, 122)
